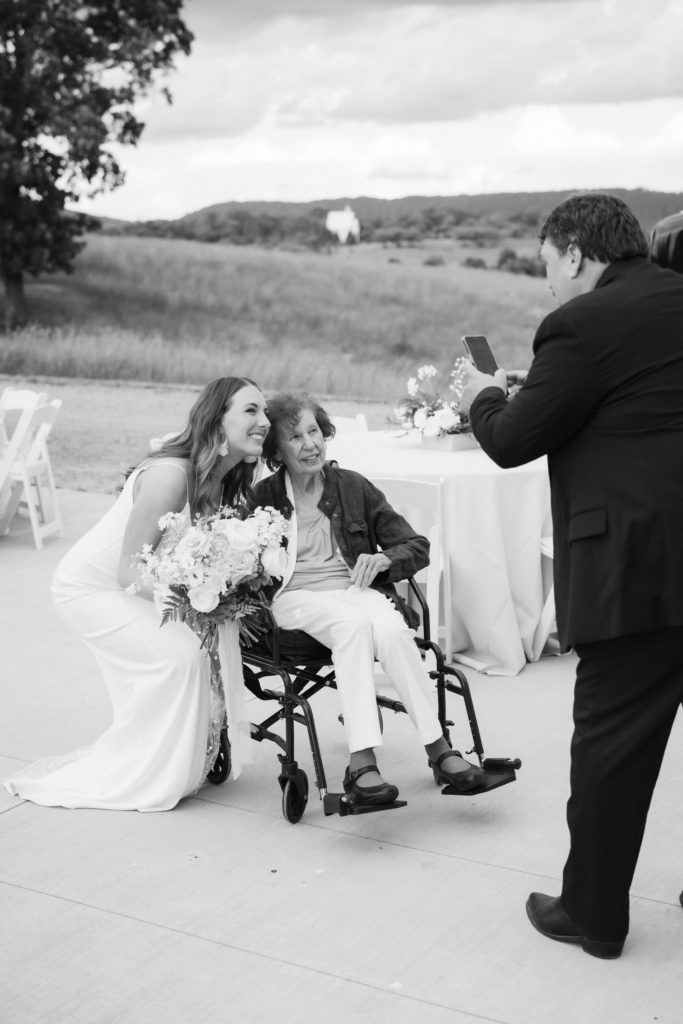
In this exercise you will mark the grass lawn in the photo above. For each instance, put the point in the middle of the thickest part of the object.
(359, 321)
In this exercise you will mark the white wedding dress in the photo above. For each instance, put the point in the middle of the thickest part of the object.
(166, 715)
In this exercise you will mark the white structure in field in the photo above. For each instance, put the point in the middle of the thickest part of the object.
(343, 223)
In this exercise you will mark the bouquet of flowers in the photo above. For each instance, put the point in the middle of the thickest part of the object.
(425, 410)
(212, 572)
(216, 569)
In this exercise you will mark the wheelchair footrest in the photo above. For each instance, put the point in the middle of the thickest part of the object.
(342, 804)
(499, 774)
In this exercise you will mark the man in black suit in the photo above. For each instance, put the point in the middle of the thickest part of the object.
(604, 400)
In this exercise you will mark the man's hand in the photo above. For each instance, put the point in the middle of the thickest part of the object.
(515, 380)
(477, 381)
(367, 567)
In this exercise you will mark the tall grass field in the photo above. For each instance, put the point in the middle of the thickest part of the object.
(355, 322)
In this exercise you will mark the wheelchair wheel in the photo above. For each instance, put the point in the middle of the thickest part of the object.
(221, 766)
(295, 796)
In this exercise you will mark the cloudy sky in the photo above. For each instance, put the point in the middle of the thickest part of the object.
(314, 99)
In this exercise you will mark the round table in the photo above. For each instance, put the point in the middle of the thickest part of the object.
(495, 521)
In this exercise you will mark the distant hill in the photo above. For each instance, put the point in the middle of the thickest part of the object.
(407, 220)
(648, 206)
(113, 224)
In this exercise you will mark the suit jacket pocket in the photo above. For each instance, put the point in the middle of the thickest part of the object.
(591, 523)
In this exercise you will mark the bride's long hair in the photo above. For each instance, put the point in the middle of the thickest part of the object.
(199, 441)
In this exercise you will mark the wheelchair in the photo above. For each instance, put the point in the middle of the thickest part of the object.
(304, 667)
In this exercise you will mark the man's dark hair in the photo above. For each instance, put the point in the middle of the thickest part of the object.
(601, 225)
(666, 243)
(284, 410)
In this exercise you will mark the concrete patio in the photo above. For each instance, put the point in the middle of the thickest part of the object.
(221, 910)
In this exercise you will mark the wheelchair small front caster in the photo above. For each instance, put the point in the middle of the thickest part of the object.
(221, 766)
(294, 796)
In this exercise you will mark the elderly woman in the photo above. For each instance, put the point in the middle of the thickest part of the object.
(338, 588)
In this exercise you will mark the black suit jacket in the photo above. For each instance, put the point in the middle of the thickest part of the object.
(604, 400)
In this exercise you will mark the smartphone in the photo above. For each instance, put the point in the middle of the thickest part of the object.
(480, 353)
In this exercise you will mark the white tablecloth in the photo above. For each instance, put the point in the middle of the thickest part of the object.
(496, 520)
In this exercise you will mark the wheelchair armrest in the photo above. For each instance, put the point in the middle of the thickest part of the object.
(286, 647)
(424, 608)
(274, 633)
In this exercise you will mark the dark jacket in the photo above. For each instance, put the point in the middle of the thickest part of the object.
(604, 400)
(362, 522)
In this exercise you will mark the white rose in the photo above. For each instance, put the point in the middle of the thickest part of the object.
(240, 534)
(274, 560)
(420, 418)
(238, 566)
(446, 418)
(203, 598)
(431, 427)
(193, 545)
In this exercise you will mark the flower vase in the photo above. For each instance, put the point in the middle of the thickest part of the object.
(450, 442)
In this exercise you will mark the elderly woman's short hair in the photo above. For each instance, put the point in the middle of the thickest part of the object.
(285, 408)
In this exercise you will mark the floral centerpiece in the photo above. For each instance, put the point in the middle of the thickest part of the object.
(215, 571)
(435, 417)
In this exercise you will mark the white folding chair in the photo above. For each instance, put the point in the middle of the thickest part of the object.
(26, 474)
(15, 428)
(421, 503)
(13, 401)
(350, 424)
(547, 624)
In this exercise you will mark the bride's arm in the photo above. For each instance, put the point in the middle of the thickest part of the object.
(159, 489)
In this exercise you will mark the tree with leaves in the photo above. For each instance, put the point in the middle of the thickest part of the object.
(70, 74)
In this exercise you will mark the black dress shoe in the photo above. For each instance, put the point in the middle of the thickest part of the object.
(548, 917)
(384, 793)
(464, 781)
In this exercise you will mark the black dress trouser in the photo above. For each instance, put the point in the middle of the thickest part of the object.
(627, 693)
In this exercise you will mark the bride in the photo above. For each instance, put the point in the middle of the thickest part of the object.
(156, 751)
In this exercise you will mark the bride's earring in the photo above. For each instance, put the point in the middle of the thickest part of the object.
(223, 448)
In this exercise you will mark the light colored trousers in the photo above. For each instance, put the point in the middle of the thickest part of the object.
(359, 626)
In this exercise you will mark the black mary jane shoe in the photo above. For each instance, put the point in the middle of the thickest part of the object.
(549, 917)
(464, 781)
(384, 793)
